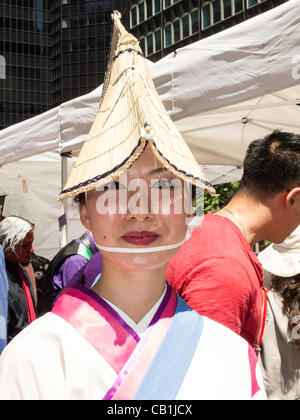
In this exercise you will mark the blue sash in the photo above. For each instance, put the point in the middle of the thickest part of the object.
(169, 367)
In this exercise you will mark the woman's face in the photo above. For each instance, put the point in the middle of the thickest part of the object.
(146, 207)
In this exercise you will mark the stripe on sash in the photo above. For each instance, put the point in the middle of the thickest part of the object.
(169, 367)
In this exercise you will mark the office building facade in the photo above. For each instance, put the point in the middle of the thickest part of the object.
(54, 50)
(162, 26)
(24, 47)
(81, 32)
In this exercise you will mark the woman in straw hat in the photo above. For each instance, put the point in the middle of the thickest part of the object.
(280, 348)
(131, 336)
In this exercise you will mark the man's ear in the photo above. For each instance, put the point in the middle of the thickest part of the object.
(293, 199)
(84, 217)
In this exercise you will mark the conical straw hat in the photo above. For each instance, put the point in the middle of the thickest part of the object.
(131, 114)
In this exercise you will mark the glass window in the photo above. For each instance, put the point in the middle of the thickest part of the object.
(195, 21)
(133, 16)
(206, 16)
(64, 23)
(158, 40)
(149, 9)
(252, 2)
(185, 26)
(157, 6)
(227, 8)
(167, 3)
(142, 44)
(217, 10)
(176, 26)
(149, 44)
(168, 35)
(238, 6)
(141, 12)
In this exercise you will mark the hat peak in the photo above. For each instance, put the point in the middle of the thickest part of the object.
(131, 115)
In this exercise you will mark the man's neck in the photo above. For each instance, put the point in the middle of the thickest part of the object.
(250, 216)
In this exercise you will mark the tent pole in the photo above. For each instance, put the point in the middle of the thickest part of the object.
(63, 222)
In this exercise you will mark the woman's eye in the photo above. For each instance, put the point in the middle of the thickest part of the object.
(114, 186)
(163, 184)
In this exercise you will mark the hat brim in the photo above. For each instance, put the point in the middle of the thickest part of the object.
(283, 264)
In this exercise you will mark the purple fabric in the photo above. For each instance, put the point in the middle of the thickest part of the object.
(71, 272)
(77, 271)
(62, 221)
(92, 270)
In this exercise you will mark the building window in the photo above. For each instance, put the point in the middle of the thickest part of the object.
(217, 10)
(252, 2)
(143, 44)
(195, 21)
(214, 12)
(149, 41)
(149, 8)
(168, 35)
(64, 23)
(238, 6)
(133, 16)
(167, 3)
(185, 26)
(176, 30)
(156, 6)
(227, 8)
(206, 15)
(141, 12)
(157, 36)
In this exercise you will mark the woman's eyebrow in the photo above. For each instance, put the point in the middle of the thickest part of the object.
(157, 171)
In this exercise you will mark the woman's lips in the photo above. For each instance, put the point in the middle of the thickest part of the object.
(140, 238)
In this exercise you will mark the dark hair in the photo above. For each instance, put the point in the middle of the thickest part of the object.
(272, 165)
(289, 289)
(80, 198)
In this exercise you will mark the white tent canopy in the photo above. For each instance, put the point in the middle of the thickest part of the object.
(222, 92)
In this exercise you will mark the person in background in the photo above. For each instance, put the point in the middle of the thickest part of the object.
(280, 347)
(16, 239)
(3, 302)
(77, 264)
(216, 271)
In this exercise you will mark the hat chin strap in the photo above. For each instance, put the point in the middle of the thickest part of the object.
(139, 250)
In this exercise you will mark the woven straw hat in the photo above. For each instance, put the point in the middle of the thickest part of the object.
(131, 114)
(283, 259)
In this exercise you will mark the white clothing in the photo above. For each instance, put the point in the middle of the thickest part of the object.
(51, 360)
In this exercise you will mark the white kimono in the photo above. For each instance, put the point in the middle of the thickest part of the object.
(87, 350)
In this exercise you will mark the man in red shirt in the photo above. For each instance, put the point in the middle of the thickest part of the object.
(215, 271)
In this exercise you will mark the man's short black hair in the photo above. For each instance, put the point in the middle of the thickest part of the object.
(272, 165)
